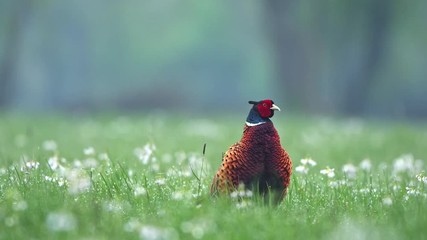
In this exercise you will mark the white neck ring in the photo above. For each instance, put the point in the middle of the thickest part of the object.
(254, 124)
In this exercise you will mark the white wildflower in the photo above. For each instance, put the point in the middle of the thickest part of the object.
(243, 204)
(421, 178)
(387, 201)
(160, 181)
(178, 195)
(144, 154)
(61, 221)
(403, 163)
(49, 145)
(139, 191)
(302, 169)
(77, 163)
(366, 165)
(412, 191)
(407, 163)
(234, 194)
(330, 172)
(60, 181)
(78, 181)
(308, 161)
(242, 193)
(89, 151)
(53, 162)
(349, 170)
(103, 157)
(185, 173)
(396, 187)
(30, 165)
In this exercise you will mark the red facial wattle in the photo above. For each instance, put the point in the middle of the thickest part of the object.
(264, 109)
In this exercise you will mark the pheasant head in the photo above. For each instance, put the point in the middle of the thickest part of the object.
(261, 112)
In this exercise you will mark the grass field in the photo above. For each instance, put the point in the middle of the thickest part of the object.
(145, 177)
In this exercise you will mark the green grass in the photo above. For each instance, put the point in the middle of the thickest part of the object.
(110, 193)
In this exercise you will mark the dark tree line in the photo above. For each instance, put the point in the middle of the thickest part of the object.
(333, 57)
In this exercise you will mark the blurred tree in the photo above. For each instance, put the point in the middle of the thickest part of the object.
(291, 76)
(356, 25)
(12, 33)
(378, 13)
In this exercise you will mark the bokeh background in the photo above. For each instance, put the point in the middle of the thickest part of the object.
(332, 57)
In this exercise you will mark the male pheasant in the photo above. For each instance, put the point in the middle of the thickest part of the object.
(258, 160)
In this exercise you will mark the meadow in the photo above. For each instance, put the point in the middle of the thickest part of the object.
(146, 177)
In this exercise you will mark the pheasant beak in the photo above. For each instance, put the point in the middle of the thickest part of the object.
(274, 107)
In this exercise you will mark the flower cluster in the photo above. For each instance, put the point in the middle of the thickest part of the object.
(407, 164)
(306, 163)
(145, 154)
(74, 175)
(329, 172)
(421, 177)
(242, 196)
(402, 168)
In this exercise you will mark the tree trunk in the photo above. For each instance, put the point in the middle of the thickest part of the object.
(11, 46)
(290, 62)
(359, 85)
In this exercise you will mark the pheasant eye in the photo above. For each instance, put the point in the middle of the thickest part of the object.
(264, 105)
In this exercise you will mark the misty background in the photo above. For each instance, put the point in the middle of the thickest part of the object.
(358, 58)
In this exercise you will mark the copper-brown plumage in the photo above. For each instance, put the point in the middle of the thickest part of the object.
(258, 159)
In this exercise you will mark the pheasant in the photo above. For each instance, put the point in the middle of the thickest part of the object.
(258, 160)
